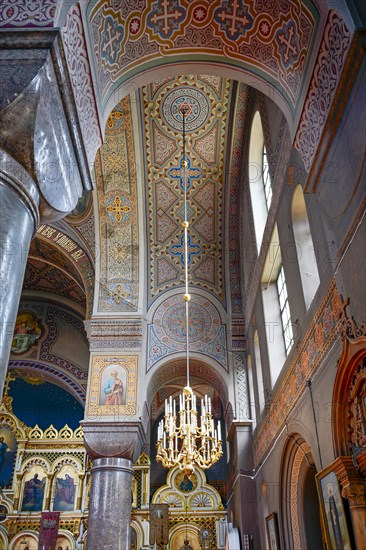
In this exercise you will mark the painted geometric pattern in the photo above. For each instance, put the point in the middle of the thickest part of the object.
(116, 181)
(78, 64)
(167, 334)
(327, 72)
(205, 182)
(44, 277)
(321, 334)
(234, 209)
(26, 13)
(241, 388)
(270, 36)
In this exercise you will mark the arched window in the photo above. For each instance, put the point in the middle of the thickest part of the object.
(258, 371)
(304, 246)
(251, 390)
(276, 308)
(259, 178)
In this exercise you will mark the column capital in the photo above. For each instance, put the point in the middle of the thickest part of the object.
(113, 439)
(353, 485)
(106, 333)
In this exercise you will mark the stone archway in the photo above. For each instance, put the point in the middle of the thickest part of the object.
(138, 42)
(300, 505)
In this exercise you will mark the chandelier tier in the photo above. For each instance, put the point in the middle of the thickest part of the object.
(185, 437)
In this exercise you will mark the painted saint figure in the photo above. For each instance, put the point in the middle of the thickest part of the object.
(3, 449)
(65, 494)
(334, 518)
(27, 331)
(186, 484)
(186, 545)
(113, 390)
(33, 494)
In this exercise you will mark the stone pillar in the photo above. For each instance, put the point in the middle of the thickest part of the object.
(110, 504)
(241, 485)
(19, 218)
(354, 490)
(43, 167)
(112, 447)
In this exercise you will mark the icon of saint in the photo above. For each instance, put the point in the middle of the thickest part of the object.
(113, 390)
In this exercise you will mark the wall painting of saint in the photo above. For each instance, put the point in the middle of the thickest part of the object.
(113, 386)
(34, 486)
(28, 330)
(8, 451)
(65, 490)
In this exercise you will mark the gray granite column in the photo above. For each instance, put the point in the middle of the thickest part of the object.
(18, 220)
(110, 504)
(112, 446)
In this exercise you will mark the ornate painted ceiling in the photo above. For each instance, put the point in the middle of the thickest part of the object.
(58, 265)
(115, 169)
(45, 277)
(208, 99)
(268, 38)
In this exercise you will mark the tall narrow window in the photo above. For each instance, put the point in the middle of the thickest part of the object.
(266, 179)
(258, 371)
(276, 308)
(259, 180)
(304, 246)
(251, 390)
(284, 310)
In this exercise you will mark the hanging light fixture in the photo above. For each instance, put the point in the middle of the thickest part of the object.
(185, 440)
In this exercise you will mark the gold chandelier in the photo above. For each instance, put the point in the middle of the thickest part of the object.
(185, 437)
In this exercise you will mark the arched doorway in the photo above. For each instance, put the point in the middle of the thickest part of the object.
(300, 504)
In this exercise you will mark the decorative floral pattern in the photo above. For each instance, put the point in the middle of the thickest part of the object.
(167, 334)
(78, 64)
(270, 36)
(25, 13)
(327, 72)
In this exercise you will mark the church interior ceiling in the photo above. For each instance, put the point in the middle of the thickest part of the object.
(265, 37)
(208, 99)
(48, 277)
(115, 172)
(55, 249)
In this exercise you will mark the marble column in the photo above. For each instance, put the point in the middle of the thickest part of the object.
(110, 504)
(112, 447)
(43, 162)
(19, 218)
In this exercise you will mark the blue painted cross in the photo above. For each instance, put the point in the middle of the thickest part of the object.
(178, 249)
(192, 173)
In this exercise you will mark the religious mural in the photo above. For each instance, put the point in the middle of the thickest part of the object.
(113, 389)
(26, 542)
(34, 488)
(28, 330)
(63, 543)
(186, 484)
(333, 511)
(65, 490)
(113, 386)
(8, 449)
